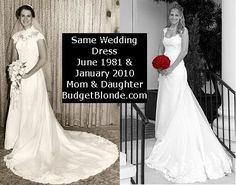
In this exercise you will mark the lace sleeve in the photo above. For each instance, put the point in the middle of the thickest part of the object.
(39, 36)
(15, 37)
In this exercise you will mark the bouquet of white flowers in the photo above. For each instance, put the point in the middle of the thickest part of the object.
(16, 70)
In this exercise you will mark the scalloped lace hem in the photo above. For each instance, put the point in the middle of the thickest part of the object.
(66, 177)
(195, 176)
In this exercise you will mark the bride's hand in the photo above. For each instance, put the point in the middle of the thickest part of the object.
(162, 72)
(26, 75)
(166, 71)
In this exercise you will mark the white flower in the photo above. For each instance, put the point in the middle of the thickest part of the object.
(13, 78)
(16, 70)
(21, 73)
(18, 77)
(14, 83)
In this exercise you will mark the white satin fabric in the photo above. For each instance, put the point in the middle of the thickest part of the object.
(187, 150)
(42, 151)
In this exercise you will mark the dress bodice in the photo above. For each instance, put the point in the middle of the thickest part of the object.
(172, 46)
(26, 46)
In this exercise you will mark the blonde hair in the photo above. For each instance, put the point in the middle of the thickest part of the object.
(181, 24)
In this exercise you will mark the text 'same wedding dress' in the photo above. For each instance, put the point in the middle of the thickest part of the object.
(42, 151)
(187, 150)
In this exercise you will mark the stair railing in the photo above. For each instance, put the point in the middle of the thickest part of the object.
(132, 138)
(219, 99)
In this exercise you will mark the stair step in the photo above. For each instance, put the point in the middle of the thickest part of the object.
(127, 171)
(122, 159)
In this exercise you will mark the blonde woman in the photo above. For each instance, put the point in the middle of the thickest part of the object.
(186, 150)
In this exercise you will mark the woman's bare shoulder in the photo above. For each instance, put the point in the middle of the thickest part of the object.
(185, 30)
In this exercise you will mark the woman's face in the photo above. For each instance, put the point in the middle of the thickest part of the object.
(26, 18)
(174, 16)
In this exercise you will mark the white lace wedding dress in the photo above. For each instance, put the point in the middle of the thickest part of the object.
(42, 151)
(186, 150)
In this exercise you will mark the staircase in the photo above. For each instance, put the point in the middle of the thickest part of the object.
(137, 145)
(127, 170)
(229, 136)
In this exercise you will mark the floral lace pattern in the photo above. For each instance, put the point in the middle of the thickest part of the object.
(213, 166)
(25, 35)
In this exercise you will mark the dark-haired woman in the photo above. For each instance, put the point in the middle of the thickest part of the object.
(187, 150)
(41, 150)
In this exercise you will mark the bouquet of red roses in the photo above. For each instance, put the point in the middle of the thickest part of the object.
(161, 62)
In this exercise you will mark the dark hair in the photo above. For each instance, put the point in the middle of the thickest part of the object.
(24, 7)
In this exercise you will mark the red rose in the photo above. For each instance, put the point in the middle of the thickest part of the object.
(161, 62)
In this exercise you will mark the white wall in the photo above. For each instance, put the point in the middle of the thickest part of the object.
(145, 16)
(126, 19)
(229, 43)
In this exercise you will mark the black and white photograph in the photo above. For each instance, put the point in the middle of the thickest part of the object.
(185, 133)
(175, 57)
(42, 140)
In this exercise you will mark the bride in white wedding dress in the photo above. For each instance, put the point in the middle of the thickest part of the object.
(42, 151)
(186, 150)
